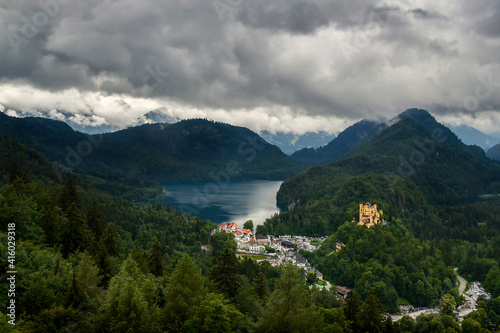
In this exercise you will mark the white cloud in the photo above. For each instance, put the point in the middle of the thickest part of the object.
(280, 66)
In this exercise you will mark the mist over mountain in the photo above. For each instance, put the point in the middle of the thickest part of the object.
(415, 146)
(338, 147)
(472, 136)
(494, 152)
(291, 142)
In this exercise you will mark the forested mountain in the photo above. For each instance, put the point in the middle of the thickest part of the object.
(13, 155)
(291, 142)
(191, 150)
(416, 146)
(338, 147)
(429, 185)
(93, 262)
(494, 152)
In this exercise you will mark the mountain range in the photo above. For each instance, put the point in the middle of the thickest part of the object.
(291, 142)
(187, 151)
(472, 136)
(338, 147)
(414, 147)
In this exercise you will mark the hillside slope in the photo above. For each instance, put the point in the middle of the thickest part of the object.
(416, 147)
(338, 147)
(191, 150)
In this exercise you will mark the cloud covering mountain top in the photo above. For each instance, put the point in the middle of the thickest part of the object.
(285, 65)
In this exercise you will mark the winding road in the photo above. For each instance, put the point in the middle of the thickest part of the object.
(461, 280)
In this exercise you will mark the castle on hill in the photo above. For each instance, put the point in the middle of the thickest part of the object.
(369, 215)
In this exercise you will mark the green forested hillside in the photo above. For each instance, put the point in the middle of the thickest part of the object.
(416, 147)
(140, 158)
(431, 188)
(339, 147)
(92, 262)
(192, 149)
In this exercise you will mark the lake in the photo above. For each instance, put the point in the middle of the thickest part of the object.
(237, 201)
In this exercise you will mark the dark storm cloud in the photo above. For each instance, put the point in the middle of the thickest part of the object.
(249, 54)
(425, 15)
(490, 26)
(290, 16)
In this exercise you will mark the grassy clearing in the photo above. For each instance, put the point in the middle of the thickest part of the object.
(316, 242)
(403, 301)
(254, 256)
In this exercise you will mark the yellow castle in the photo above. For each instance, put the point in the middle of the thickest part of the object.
(369, 215)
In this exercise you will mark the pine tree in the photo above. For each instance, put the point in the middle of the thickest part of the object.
(371, 317)
(110, 240)
(126, 308)
(156, 265)
(75, 234)
(142, 262)
(224, 274)
(95, 219)
(185, 292)
(259, 286)
(69, 195)
(352, 309)
(290, 307)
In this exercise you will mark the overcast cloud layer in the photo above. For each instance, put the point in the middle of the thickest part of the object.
(278, 65)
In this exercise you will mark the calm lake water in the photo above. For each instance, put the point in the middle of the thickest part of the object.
(238, 201)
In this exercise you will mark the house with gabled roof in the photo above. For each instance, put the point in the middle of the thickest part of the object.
(343, 291)
(233, 227)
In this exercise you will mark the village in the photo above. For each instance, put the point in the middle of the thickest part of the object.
(280, 250)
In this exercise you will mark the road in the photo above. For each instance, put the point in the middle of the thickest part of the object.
(463, 283)
(463, 311)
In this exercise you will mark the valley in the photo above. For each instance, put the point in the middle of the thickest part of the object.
(380, 222)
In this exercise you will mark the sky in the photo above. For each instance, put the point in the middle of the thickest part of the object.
(281, 65)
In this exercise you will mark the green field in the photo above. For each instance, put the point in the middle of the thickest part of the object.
(316, 242)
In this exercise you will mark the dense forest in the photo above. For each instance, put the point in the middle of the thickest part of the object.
(105, 265)
(144, 156)
(91, 260)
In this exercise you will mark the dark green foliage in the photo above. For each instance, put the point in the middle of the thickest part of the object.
(156, 265)
(141, 268)
(214, 314)
(185, 292)
(95, 219)
(69, 196)
(17, 160)
(56, 319)
(110, 240)
(248, 225)
(191, 150)
(259, 286)
(224, 276)
(353, 309)
(289, 308)
(75, 234)
(221, 241)
(261, 230)
(338, 148)
(388, 260)
(371, 317)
